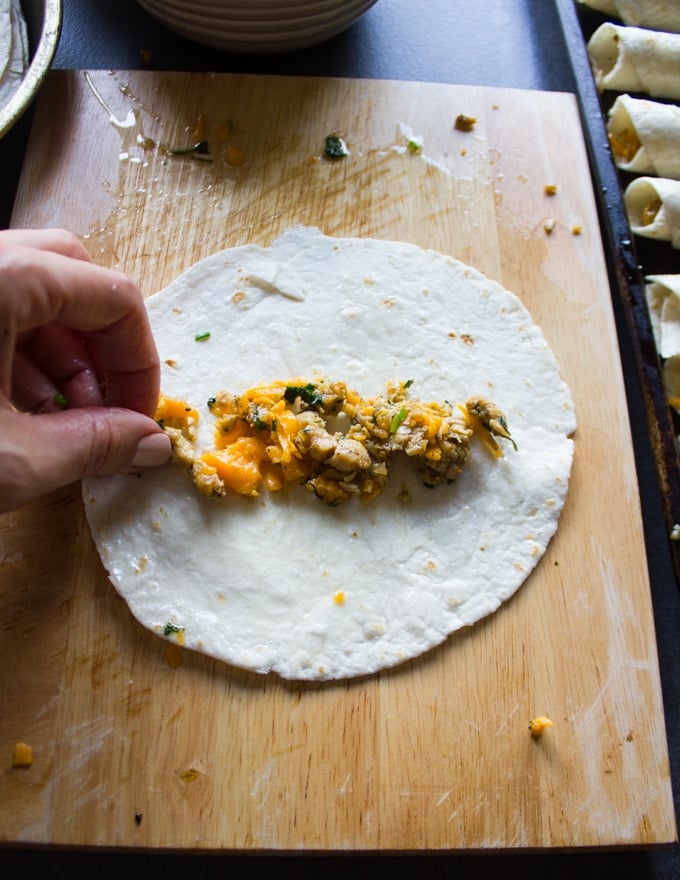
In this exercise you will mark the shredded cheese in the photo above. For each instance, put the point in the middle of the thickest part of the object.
(23, 755)
(539, 724)
(624, 144)
(278, 433)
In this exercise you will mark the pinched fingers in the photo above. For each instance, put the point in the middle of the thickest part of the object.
(41, 284)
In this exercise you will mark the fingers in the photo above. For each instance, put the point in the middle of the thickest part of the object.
(41, 284)
(32, 391)
(44, 452)
(53, 370)
(57, 240)
(76, 334)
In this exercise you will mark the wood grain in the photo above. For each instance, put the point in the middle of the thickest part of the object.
(132, 749)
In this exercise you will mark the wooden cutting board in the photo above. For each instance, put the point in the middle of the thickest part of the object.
(132, 749)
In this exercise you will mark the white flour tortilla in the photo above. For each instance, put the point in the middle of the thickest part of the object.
(661, 15)
(657, 127)
(663, 299)
(252, 581)
(632, 59)
(640, 193)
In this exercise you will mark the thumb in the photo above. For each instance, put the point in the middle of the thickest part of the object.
(40, 453)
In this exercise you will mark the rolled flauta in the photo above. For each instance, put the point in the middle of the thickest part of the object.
(645, 136)
(653, 208)
(661, 15)
(663, 300)
(632, 59)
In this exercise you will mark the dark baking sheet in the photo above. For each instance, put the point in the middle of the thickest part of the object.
(629, 260)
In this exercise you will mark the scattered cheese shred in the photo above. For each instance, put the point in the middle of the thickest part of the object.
(173, 655)
(538, 725)
(233, 157)
(23, 755)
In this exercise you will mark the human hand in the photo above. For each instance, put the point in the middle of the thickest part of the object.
(79, 370)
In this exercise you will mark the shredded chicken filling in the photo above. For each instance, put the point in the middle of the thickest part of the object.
(327, 438)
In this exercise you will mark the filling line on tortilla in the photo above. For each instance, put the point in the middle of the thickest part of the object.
(327, 438)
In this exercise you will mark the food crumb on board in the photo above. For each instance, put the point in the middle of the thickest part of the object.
(23, 755)
(233, 157)
(550, 189)
(548, 225)
(138, 818)
(464, 122)
(173, 655)
(335, 147)
(576, 229)
(538, 725)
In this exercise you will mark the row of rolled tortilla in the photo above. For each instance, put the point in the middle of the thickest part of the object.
(645, 140)
(644, 136)
(642, 55)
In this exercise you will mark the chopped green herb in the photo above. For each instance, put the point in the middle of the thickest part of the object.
(397, 419)
(198, 151)
(335, 147)
(258, 423)
(211, 402)
(408, 383)
(414, 146)
(171, 628)
(182, 151)
(60, 400)
(201, 337)
(307, 393)
(505, 433)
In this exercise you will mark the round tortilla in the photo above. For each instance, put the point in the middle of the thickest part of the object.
(283, 582)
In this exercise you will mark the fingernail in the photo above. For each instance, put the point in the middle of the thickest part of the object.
(154, 449)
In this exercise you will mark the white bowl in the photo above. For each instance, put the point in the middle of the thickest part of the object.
(257, 26)
(43, 18)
